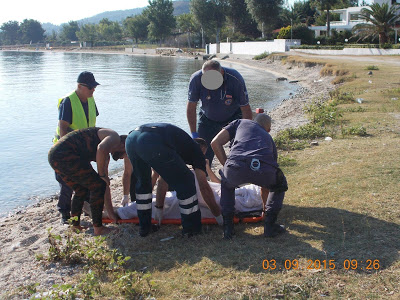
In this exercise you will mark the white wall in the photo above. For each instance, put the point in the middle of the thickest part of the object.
(253, 48)
(352, 51)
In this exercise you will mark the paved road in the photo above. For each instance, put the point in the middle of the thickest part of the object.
(385, 59)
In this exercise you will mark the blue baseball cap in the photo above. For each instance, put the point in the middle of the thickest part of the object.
(88, 79)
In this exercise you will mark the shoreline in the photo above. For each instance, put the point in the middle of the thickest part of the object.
(23, 233)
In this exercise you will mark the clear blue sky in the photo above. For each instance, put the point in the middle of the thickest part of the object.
(58, 12)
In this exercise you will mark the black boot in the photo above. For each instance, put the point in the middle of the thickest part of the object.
(65, 216)
(271, 229)
(228, 226)
(144, 222)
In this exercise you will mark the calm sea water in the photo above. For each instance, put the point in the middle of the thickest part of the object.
(134, 90)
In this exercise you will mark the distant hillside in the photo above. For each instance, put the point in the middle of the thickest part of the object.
(180, 7)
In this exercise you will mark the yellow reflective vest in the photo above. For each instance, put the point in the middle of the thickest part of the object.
(79, 120)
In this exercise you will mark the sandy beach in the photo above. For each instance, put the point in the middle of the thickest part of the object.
(23, 235)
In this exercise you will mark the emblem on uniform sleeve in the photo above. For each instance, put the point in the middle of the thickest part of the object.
(228, 100)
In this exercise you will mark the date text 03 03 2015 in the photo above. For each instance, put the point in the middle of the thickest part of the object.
(315, 264)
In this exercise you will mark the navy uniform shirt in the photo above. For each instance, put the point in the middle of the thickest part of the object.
(65, 110)
(221, 104)
(177, 139)
(251, 140)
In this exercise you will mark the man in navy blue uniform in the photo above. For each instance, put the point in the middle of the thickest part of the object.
(252, 159)
(168, 149)
(223, 96)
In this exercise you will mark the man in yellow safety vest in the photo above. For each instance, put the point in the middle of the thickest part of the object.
(76, 111)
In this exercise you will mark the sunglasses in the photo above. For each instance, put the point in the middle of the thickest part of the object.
(88, 87)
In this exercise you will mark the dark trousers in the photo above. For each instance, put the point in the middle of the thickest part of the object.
(208, 129)
(147, 150)
(64, 200)
(237, 172)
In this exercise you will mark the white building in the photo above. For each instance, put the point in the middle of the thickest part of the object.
(349, 17)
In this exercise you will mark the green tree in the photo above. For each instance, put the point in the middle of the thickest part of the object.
(109, 31)
(300, 12)
(265, 13)
(186, 23)
(52, 37)
(241, 19)
(136, 27)
(161, 19)
(210, 14)
(201, 11)
(327, 5)
(10, 32)
(31, 31)
(88, 33)
(68, 31)
(379, 21)
(303, 33)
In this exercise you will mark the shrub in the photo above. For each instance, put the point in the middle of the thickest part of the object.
(302, 32)
(386, 46)
(284, 33)
(372, 67)
(355, 130)
(261, 56)
(322, 113)
(339, 97)
(284, 142)
(339, 80)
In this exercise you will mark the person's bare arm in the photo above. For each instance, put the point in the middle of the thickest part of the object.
(162, 189)
(207, 193)
(154, 178)
(109, 139)
(246, 112)
(126, 176)
(211, 174)
(63, 125)
(218, 143)
(191, 116)
(264, 197)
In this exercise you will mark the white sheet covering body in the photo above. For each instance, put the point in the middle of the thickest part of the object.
(248, 198)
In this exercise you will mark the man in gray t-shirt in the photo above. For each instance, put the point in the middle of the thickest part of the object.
(252, 159)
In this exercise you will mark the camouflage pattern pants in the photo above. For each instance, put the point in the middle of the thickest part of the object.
(82, 178)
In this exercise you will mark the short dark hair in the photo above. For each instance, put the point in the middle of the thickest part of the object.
(123, 138)
(211, 65)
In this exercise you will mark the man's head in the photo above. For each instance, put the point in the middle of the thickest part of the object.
(212, 77)
(87, 83)
(211, 65)
(120, 151)
(264, 121)
(202, 143)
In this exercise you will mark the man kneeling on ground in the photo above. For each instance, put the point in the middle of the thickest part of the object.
(252, 159)
(71, 158)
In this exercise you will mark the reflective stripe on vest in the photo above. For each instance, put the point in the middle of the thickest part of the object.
(79, 120)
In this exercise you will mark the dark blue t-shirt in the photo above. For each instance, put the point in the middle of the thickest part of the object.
(65, 110)
(182, 143)
(220, 104)
(251, 140)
